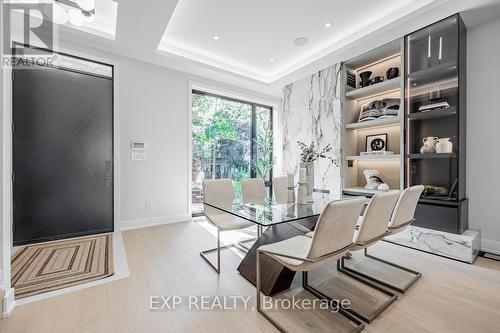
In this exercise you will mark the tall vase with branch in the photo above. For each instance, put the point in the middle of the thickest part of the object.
(308, 155)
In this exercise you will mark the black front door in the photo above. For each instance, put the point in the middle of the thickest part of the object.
(62, 154)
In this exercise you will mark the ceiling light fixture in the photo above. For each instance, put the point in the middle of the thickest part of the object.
(216, 37)
(271, 59)
(77, 12)
(86, 4)
(299, 41)
(328, 25)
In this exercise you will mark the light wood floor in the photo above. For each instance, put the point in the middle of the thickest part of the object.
(164, 260)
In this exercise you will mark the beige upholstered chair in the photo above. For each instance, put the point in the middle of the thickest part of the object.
(332, 239)
(370, 228)
(219, 192)
(280, 190)
(402, 217)
(254, 190)
(404, 212)
(373, 225)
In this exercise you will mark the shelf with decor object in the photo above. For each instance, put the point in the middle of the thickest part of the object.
(373, 157)
(433, 114)
(372, 122)
(375, 123)
(431, 156)
(375, 89)
(362, 191)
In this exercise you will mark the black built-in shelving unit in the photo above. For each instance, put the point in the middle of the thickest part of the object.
(433, 76)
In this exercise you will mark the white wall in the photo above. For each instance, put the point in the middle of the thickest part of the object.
(483, 134)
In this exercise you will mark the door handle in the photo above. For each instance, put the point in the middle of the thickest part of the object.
(107, 175)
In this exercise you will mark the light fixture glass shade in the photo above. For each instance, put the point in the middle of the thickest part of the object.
(59, 14)
(76, 17)
(86, 4)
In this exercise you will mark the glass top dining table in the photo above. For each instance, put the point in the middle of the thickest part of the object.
(269, 212)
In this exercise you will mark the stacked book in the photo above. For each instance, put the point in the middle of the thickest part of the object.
(386, 108)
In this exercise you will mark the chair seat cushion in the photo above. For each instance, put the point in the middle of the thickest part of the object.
(298, 247)
(295, 247)
(226, 221)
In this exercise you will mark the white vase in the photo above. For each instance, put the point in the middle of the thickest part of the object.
(429, 145)
(309, 166)
(444, 145)
(302, 193)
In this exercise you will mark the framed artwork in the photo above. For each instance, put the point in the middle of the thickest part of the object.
(377, 142)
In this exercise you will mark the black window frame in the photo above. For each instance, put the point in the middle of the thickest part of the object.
(253, 127)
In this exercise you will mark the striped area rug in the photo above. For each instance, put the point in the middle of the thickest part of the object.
(43, 267)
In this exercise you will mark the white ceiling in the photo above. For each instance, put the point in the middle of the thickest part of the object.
(250, 33)
(141, 26)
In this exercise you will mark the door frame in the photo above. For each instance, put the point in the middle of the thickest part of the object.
(7, 236)
(115, 133)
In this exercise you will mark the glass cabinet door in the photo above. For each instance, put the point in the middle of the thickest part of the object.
(432, 100)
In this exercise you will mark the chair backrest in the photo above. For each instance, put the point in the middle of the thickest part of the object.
(280, 191)
(375, 220)
(254, 190)
(404, 211)
(216, 191)
(200, 177)
(335, 227)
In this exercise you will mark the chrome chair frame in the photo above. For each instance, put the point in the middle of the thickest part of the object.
(417, 275)
(236, 245)
(306, 287)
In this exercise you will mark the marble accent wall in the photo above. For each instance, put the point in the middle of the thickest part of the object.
(312, 113)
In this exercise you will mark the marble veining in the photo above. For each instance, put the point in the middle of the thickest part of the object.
(463, 247)
(312, 113)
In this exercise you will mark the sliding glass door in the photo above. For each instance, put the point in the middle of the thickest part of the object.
(231, 139)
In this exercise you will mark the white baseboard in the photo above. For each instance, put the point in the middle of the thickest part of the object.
(490, 246)
(9, 303)
(153, 221)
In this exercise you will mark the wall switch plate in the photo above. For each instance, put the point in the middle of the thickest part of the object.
(138, 144)
(138, 156)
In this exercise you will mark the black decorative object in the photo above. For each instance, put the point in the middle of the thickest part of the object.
(377, 142)
(365, 78)
(392, 73)
(351, 80)
(377, 79)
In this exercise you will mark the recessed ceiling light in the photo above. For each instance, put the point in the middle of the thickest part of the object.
(271, 59)
(328, 25)
(216, 37)
(299, 41)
